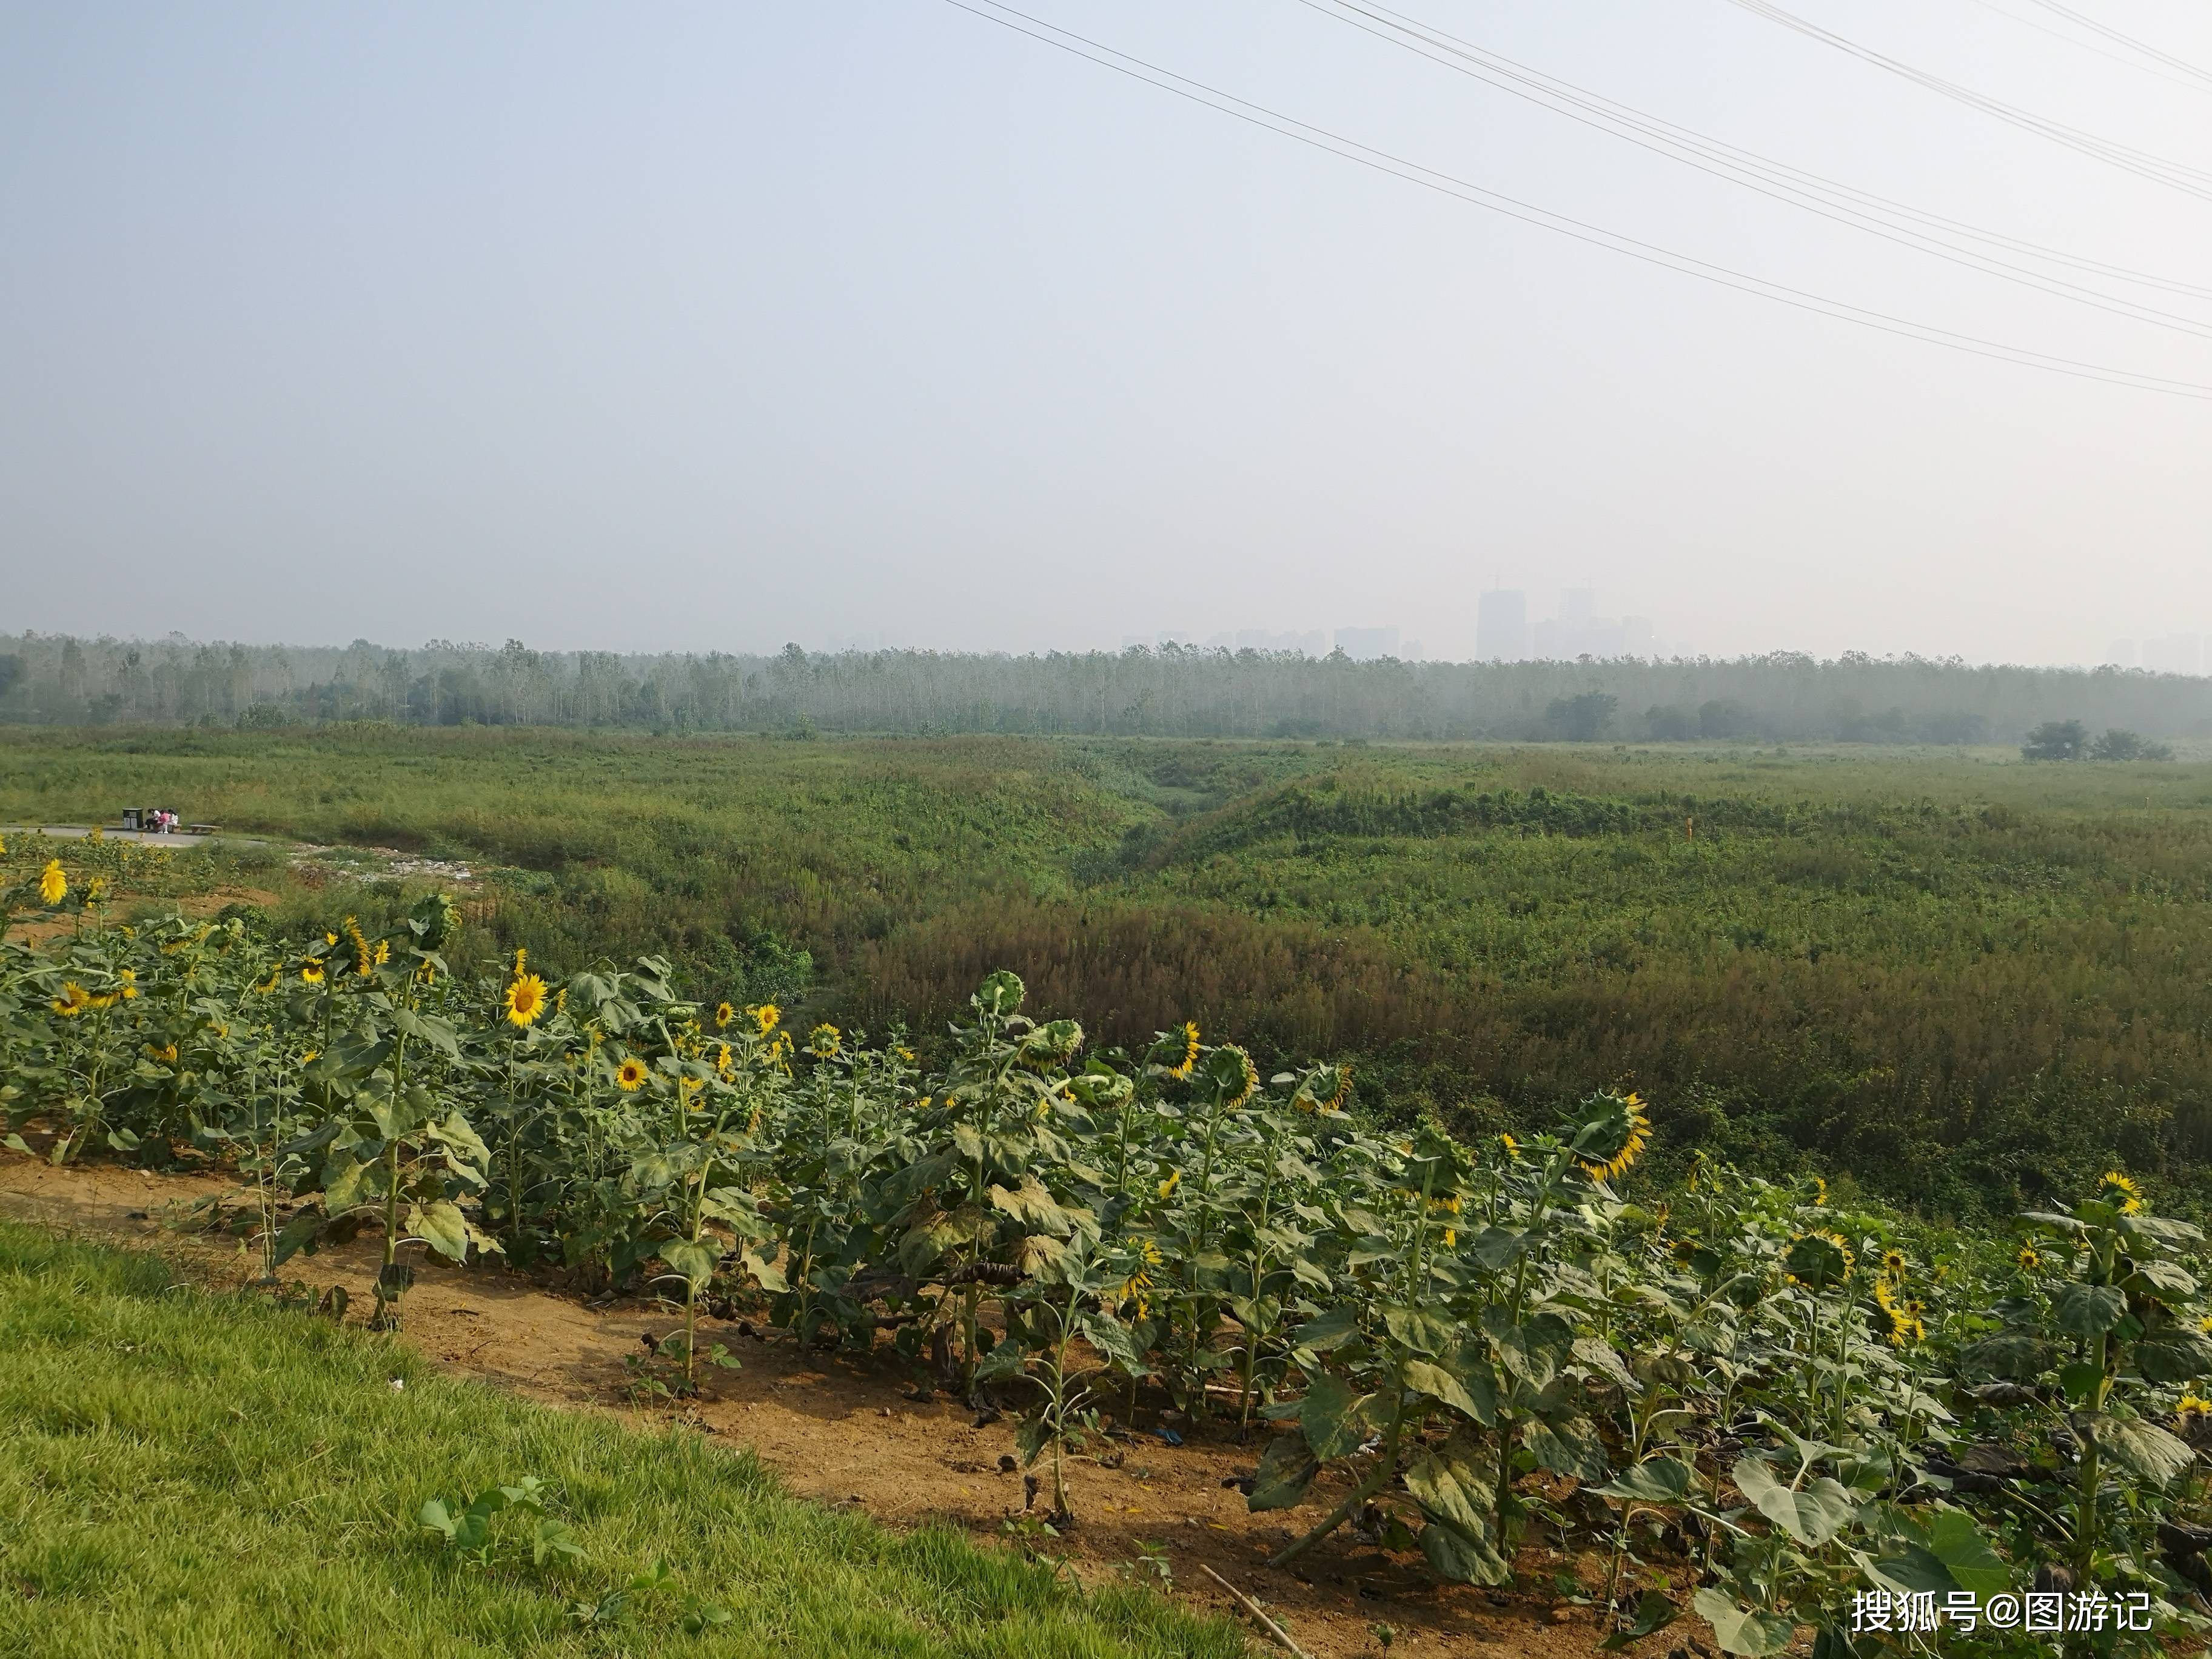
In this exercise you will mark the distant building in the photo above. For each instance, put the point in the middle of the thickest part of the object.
(1367, 644)
(1501, 626)
(2174, 654)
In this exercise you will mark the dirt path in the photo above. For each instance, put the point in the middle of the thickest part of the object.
(846, 1432)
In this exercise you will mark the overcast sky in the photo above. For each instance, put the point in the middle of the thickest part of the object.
(718, 326)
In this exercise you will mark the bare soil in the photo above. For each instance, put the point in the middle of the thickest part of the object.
(846, 1431)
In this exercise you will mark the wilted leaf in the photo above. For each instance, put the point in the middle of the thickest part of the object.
(1812, 1515)
(1332, 1416)
(1740, 1630)
(1287, 1469)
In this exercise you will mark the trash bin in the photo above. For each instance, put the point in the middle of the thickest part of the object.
(133, 817)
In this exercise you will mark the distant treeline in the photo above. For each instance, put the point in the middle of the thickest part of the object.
(1173, 691)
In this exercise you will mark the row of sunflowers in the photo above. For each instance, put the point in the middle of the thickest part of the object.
(1735, 1397)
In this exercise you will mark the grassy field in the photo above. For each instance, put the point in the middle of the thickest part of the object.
(196, 1475)
(1968, 980)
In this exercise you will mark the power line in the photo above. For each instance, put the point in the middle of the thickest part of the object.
(1668, 133)
(2194, 181)
(1474, 195)
(1754, 173)
(2128, 40)
(2083, 46)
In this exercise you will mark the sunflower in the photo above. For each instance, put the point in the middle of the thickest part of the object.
(1819, 1190)
(905, 1053)
(166, 1053)
(723, 1015)
(2028, 1258)
(631, 1074)
(331, 939)
(765, 1016)
(524, 1001)
(310, 1056)
(1343, 1088)
(96, 889)
(2192, 1404)
(383, 951)
(73, 1000)
(1188, 1033)
(1896, 1322)
(1894, 1266)
(1512, 1147)
(312, 973)
(1613, 1139)
(362, 962)
(725, 1065)
(823, 1040)
(128, 978)
(521, 960)
(1818, 1259)
(53, 885)
(2116, 1188)
(1167, 1186)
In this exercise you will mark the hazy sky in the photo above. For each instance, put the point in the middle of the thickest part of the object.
(721, 326)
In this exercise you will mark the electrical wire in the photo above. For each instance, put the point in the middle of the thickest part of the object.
(2083, 46)
(1603, 109)
(1396, 28)
(2176, 175)
(1474, 195)
(2128, 40)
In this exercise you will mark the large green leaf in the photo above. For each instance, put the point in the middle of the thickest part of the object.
(1532, 1350)
(692, 1263)
(1287, 1469)
(1333, 1416)
(2149, 1450)
(1431, 1379)
(1454, 1483)
(442, 1227)
(2089, 1309)
(1812, 1514)
(1965, 1551)
(1565, 1444)
(1654, 1612)
(2020, 1354)
(1740, 1630)
(2177, 1353)
(1465, 1560)
(1420, 1330)
(1654, 1480)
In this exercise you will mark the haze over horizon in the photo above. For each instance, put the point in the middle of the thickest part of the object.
(717, 329)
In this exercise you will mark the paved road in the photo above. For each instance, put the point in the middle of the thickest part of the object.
(78, 831)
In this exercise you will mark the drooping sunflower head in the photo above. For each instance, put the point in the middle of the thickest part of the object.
(825, 1041)
(631, 1074)
(2118, 1190)
(1819, 1190)
(524, 999)
(1233, 1076)
(270, 982)
(1818, 1261)
(383, 951)
(1182, 1043)
(126, 981)
(75, 999)
(53, 885)
(166, 1053)
(723, 1015)
(1167, 1186)
(364, 961)
(521, 960)
(1612, 1135)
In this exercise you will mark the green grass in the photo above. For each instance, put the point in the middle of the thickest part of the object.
(186, 1473)
(1972, 982)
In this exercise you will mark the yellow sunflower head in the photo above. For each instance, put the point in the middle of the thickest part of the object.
(127, 979)
(631, 1074)
(524, 999)
(1184, 1041)
(53, 885)
(723, 1015)
(1894, 1266)
(1167, 1186)
(765, 1016)
(73, 1000)
(825, 1041)
(166, 1053)
(2121, 1192)
(2028, 1258)
(312, 973)
(1612, 1135)
(1512, 1147)
(1818, 1261)
(270, 981)
(2193, 1404)
(1896, 1320)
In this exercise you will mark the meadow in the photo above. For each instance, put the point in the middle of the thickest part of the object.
(1965, 981)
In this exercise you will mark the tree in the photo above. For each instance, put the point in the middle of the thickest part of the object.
(1583, 718)
(2056, 740)
(2120, 744)
(1670, 723)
